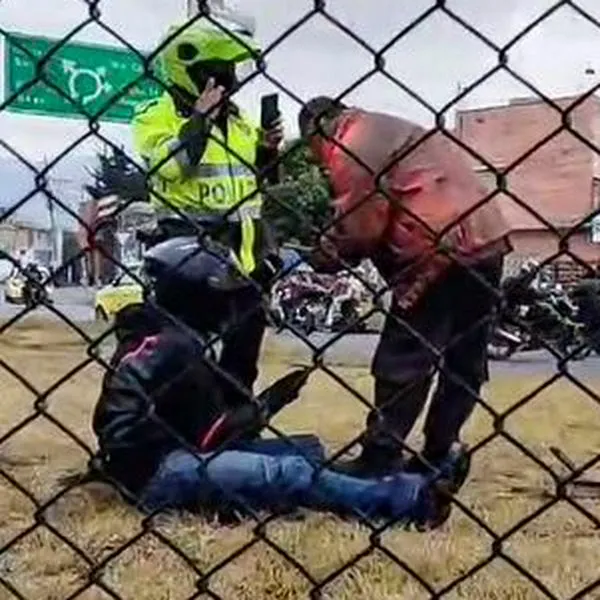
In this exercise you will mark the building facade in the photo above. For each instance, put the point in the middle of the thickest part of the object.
(26, 241)
(553, 172)
(110, 242)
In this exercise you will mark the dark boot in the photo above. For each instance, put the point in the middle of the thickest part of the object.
(397, 408)
(372, 462)
(453, 466)
(435, 506)
(435, 502)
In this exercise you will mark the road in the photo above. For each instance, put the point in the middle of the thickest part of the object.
(351, 350)
(75, 303)
(357, 350)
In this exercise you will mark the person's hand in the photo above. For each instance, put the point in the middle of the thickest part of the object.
(209, 102)
(411, 296)
(273, 136)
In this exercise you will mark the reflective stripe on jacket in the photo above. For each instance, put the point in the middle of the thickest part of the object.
(223, 183)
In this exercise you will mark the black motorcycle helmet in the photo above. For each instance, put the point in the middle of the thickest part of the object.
(195, 281)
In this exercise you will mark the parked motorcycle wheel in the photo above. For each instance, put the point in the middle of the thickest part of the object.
(305, 320)
(35, 296)
(29, 298)
(352, 318)
(307, 325)
(359, 327)
(583, 354)
(348, 320)
(583, 350)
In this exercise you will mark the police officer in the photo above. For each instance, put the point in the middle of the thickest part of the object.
(203, 155)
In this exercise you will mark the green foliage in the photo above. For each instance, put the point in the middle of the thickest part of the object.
(299, 207)
(117, 174)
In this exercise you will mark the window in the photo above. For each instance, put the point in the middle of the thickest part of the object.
(42, 256)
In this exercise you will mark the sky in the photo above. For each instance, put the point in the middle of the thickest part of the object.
(434, 59)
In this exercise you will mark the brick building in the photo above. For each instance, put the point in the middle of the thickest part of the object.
(560, 179)
(19, 238)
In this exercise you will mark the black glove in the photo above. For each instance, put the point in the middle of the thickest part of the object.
(250, 418)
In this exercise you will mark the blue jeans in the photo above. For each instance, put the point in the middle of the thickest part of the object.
(270, 474)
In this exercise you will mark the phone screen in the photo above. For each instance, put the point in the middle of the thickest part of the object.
(269, 112)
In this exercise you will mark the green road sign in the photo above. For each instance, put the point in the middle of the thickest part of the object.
(90, 75)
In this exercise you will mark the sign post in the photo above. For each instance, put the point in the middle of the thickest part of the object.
(86, 79)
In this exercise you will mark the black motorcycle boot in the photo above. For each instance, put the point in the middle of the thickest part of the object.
(373, 462)
(453, 466)
(397, 408)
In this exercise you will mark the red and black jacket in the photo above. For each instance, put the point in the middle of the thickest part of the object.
(165, 391)
(162, 393)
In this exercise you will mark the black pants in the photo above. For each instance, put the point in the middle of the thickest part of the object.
(453, 318)
(241, 345)
(243, 338)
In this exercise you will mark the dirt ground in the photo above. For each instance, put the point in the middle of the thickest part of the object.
(560, 547)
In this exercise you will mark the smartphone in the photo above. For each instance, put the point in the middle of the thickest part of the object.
(269, 110)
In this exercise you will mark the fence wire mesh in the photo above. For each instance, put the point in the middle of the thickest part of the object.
(70, 543)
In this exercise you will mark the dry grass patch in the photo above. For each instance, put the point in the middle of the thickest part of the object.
(561, 547)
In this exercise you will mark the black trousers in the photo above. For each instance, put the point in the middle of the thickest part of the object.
(449, 328)
(242, 343)
(243, 337)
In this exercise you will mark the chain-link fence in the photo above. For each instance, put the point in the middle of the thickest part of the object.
(178, 426)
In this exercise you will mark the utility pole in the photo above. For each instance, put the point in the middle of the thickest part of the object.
(55, 232)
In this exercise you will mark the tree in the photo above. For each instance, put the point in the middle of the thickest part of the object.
(299, 207)
(118, 175)
(116, 184)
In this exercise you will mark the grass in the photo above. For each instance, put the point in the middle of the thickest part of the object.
(560, 547)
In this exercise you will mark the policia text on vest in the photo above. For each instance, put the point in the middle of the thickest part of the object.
(220, 184)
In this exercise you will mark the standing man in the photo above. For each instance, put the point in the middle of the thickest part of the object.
(204, 156)
(406, 200)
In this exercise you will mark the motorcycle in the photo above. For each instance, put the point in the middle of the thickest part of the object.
(35, 291)
(310, 313)
(314, 302)
(347, 298)
(586, 296)
(546, 320)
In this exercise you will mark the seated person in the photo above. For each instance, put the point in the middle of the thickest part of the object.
(168, 440)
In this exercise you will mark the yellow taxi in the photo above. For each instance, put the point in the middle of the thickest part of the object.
(123, 290)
